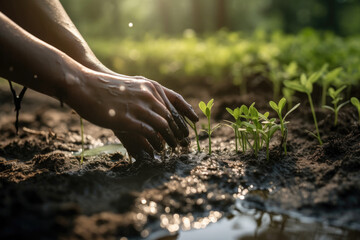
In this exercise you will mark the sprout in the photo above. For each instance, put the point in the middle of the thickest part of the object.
(193, 126)
(236, 126)
(305, 85)
(356, 103)
(268, 131)
(278, 109)
(334, 94)
(206, 109)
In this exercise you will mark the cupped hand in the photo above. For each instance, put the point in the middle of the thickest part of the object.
(141, 112)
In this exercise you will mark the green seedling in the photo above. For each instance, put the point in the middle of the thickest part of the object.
(336, 98)
(305, 85)
(236, 126)
(268, 131)
(356, 103)
(278, 109)
(288, 94)
(254, 127)
(193, 126)
(206, 109)
(82, 141)
(327, 80)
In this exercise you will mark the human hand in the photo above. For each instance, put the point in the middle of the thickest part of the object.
(141, 112)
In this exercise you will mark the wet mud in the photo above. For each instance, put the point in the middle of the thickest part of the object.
(46, 194)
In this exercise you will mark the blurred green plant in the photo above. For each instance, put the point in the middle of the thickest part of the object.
(355, 101)
(305, 85)
(336, 98)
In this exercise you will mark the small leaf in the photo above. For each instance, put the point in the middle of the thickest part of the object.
(202, 107)
(314, 77)
(341, 105)
(339, 90)
(207, 112)
(295, 86)
(210, 104)
(329, 108)
(291, 110)
(230, 111)
(303, 79)
(274, 106)
(355, 102)
(282, 103)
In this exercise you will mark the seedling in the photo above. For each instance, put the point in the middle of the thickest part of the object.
(254, 127)
(327, 80)
(336, 98)
(236, 126)
(206, 109)
(193, 126)
(278, 109)
(270, 127)
(305, 85)
(356, 103)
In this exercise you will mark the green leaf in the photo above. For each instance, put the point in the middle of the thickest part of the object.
(282, 103)
(207, 112)
(309, 87)
(355, 102)
(314, 77)
(274, 106)
(230, 111)
(210, 104)
(291, 110)
(273, 129)
(202, 107)
(339, 90)
(329, 108)
(332, 75)
(303, 79)
(341, 105)
(295, 86)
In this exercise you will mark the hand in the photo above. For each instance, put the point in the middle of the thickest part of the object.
(141, 112)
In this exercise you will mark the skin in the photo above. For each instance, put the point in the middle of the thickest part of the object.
(41, 48)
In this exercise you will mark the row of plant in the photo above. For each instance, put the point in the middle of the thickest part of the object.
(237, 58)
(254, 130)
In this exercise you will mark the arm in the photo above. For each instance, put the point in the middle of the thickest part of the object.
(139, 107)
(48, 21)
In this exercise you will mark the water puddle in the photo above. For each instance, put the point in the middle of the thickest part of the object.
(247, 223)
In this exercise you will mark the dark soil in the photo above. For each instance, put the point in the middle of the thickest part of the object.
(45, 194)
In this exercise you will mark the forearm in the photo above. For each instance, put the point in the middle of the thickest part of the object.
(31, 62)
(48, 21)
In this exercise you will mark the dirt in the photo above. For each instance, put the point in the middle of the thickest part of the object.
(46, 194)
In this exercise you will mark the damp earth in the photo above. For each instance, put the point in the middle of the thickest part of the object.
(312, 193)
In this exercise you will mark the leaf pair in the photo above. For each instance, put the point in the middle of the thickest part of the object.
(206, 108)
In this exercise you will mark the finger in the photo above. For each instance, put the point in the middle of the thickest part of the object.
(185, 142)
(149, 133)
(177, 117)
(164, 113)
(181, 105)
(158, 123)
(135, 144)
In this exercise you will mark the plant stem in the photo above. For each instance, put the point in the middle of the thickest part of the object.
(314, 116)
(209, 133)
(267, 149)
(82, 140)
(323, 95)
(236, 139)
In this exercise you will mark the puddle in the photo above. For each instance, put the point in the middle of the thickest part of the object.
(247, 223)
(105, 149)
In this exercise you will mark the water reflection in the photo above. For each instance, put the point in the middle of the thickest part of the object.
(246, 224)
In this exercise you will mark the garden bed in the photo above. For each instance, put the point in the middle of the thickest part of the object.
(46, 194)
